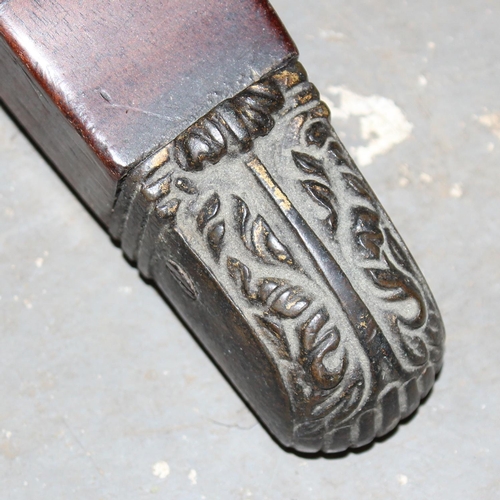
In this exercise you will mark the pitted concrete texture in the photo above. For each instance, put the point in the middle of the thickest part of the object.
(105, 395)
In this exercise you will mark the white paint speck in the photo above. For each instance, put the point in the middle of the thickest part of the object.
(422, 80)
(382, 123)
(483, 407)
(402, 479)
(426, 178)
(7, 433)
(456, 190)
(161, 469)
(490, 147)
(404, 181)
(9, 212)
(192, 476)
(492, 121)
(331, 35)
(431, 45)
(28, 304)
(39, 262)
(16, 298)
(126, 290)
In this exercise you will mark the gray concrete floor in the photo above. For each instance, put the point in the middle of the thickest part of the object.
(104, 395)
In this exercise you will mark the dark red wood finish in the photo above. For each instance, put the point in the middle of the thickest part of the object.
(101, 84)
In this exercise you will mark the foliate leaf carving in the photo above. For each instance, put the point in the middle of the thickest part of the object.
(324, 196)
(202, 142)
(266, 288)
(186, 185)
(317, 134)
(265, 95)
(340, 358)
(319, 192)
(277, 335)
(265, 242)
(326, 353)
(290, 303)
(308, 164)
(242, 214)
(233, 121)
(157, 188)
(367, 232)
(398, 285)
(257, 122)
(397, 251)
(215, 237)
(311, 327)
(240, 272)
(168, 209)
(239, 120)
(337, 153)
(401, 288)
(357, 185)
(208, 212)
(390, 279)
(320, 356)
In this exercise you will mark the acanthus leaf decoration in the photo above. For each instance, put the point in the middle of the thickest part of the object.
(290, 303)
(401, 287)
(286, 301)
(186, 185)
(317, 134)
(319, 343)
(155, 188)
(201, 143)
(277, 335)
(368, 234)
(309, 165)
(357, 185)
(263, 243)
(338, 154)
(335, 371)
(242, 215)
(209, 210)
(324, 196)
(215, 238)
(239, 272)
(167, 209)
(235, 121)
(396, 251)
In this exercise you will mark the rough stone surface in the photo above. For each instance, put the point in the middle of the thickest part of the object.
(96, 405)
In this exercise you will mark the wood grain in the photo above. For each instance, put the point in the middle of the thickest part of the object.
(128, 76)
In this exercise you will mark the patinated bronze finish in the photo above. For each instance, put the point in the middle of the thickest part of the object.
(265, 237)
